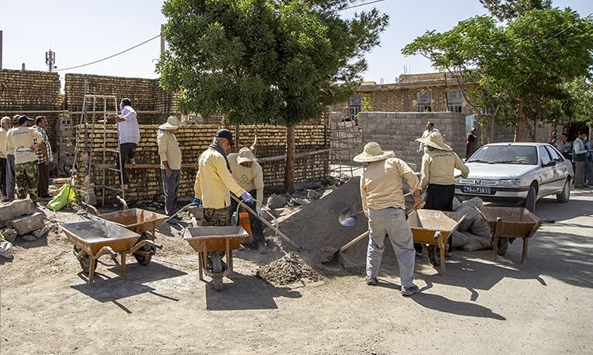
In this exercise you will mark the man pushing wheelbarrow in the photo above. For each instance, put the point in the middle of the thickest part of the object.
(214, 183)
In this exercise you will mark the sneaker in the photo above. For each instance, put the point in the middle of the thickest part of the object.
(372, 281)
(407, 292)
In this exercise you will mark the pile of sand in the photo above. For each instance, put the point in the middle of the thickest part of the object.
(287, 270)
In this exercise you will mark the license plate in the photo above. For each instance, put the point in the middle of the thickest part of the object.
(476, 190)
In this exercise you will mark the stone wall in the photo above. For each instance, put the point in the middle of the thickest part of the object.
(145, 181)
(398, 131)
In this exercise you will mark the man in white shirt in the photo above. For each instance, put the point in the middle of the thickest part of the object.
(429, 129)
(129, 134)
(580, 155)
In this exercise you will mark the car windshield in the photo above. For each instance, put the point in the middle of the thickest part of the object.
(505, 154)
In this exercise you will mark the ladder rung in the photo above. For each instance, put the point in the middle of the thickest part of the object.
(111, 188)
(111, 150)
(112, 169)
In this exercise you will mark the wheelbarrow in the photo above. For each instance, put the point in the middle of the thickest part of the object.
(138, 220)
(508, 223)
(93, 239)
(212, 243)
(433, 228)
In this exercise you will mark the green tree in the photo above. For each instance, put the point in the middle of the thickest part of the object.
(266, 62)
(581, 93)
(512, 9)
(516, 71)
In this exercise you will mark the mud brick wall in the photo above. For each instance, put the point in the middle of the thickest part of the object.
(145, 179)
(398, 131)
(152, 104)
(25, 90)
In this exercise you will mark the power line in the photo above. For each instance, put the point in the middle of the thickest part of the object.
(363, 4)
(111, 56)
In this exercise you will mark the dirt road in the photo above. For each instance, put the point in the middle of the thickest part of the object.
(480, 306)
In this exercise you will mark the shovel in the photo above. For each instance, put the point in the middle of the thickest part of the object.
(349, 216)
(335, 257)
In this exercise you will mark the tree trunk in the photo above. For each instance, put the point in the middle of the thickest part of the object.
(290, 160)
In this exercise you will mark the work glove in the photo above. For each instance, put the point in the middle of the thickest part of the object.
(246, 196)
(196, 202)
(258, 210)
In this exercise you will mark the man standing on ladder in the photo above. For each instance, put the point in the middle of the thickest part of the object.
(129, 136)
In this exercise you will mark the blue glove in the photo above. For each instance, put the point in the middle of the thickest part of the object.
(196, 202)
(246, 196)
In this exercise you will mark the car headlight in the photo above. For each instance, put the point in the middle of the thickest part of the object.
(509, 182)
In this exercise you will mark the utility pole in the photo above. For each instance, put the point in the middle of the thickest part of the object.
(0, 49)
(50, 60)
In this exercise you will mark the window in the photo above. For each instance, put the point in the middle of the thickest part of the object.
(544, 156)
(424, 99)
(554, 154)
(454, 101)
(354, 106)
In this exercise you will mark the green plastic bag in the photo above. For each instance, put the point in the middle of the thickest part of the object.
(64, 195)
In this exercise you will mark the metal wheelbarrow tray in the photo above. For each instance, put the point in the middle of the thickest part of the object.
(510, 222)
(213, 241)
(140, 221)
(93, 239)
(434, 227)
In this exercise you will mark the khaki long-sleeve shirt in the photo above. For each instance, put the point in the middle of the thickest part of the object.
(214, 180)
(381, 184)
(3, 149)
(249, 178)
(169, 150)
(438, 167)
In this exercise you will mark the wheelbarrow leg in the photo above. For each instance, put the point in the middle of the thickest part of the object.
(525, 248)
(201, 261)
(496, 235)
(229, 258)
(92, 262)
(123, 263)
(443, 245)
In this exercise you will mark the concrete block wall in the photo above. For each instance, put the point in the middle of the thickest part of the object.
(398, 131)
(145, 180)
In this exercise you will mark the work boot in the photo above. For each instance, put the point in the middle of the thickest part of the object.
(372, 281)
(407, 292)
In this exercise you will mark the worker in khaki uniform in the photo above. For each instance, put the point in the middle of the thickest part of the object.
(170, 155)
(214, 181)
(25, 141)
(249, 175)
(5, 125)
(437, 175)
(381, 190)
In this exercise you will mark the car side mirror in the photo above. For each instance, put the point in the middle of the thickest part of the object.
(550, 163)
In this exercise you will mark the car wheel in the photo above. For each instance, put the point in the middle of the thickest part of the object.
(531, 199)
(564, 196)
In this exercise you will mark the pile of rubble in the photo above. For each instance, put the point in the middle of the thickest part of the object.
(20, 219)
(288, 270)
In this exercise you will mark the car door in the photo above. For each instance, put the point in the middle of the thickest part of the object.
(546, 173)
(560, 169)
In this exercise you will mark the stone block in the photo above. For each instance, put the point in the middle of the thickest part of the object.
(28, 224)
(15, 209)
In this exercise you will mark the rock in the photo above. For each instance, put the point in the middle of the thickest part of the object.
(6, 249)
(41, 232)
(276, 201)
(313, 195)
(29, 238)
(9, 234)
(28, 224)
(300, 201)
(16, 209)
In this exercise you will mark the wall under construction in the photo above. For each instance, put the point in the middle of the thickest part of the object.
(145, 177)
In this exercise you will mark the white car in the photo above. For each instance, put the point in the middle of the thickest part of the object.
(521, 172)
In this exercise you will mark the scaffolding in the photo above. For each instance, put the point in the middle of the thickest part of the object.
(345, 141)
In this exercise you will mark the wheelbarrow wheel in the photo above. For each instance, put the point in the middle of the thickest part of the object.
(216, 260)
(85, 260)
(145, 257)
(434, 255)
(503, 246)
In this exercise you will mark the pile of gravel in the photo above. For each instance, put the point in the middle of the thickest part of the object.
(287, 270)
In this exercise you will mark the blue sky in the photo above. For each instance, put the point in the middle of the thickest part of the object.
(84, 31)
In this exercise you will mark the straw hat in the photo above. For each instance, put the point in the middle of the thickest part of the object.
(435, 140)
(372, 152)
(172, 123)
(245, 156)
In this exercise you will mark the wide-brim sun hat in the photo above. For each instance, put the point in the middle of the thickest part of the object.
(245, 156)
(172, 123)
(435, 140)
(372, 152)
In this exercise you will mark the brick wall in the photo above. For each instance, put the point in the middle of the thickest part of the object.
(25, 90)
(398, 131)
(145, 180)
